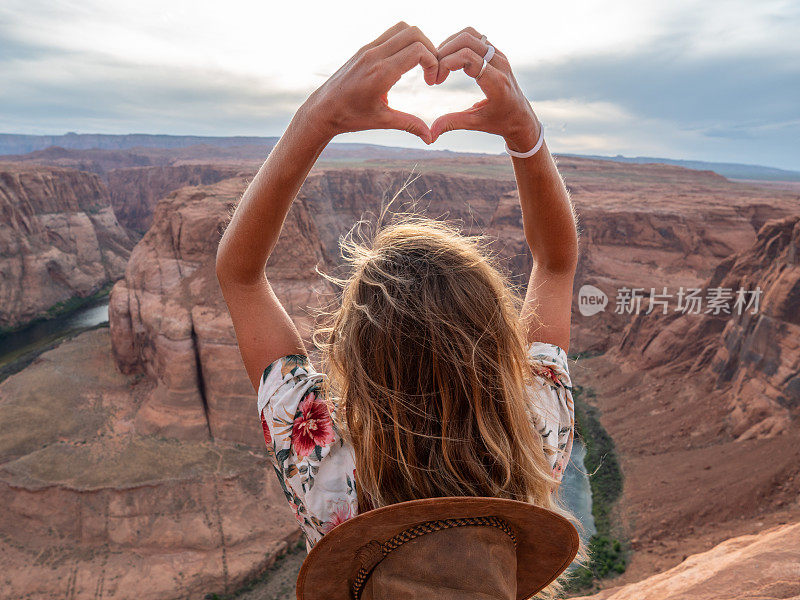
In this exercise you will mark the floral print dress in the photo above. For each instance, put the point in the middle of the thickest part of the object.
(316, 468)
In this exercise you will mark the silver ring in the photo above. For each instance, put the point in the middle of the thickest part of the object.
(483, 39)
(486, 58)
(483, 68)
(489, 53)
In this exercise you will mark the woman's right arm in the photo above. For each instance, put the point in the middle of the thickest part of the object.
(547, 215)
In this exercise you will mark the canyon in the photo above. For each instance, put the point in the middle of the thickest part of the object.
(142, 460)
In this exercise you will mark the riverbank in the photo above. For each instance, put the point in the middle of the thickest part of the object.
(26, 358)
(688, 485)
(608, 550)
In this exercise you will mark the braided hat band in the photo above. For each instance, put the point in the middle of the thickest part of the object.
(374, 552)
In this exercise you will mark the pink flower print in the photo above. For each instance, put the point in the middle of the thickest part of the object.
(341, 512)
(312, 427)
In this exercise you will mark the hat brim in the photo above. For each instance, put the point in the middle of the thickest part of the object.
(546, 542)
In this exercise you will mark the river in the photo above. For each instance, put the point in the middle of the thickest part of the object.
(33, 339)
(576, 491)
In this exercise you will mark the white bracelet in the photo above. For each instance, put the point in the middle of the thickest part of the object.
(533, 150)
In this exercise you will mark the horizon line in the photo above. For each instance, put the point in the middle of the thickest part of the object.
(611, 157)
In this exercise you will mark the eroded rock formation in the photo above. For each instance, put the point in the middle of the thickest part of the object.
(656, 226)
(764, 566)
(59, 238)
(750, 351)
(169, 320)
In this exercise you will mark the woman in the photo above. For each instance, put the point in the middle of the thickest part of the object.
(444, 387)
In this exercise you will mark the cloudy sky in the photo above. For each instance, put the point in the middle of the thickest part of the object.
(713, 80)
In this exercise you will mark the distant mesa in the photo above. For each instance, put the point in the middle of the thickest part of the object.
(23, 144)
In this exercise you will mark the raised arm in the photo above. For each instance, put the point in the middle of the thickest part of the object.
(353, 99)
(547, 215)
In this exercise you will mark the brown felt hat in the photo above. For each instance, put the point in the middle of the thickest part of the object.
(445, 548)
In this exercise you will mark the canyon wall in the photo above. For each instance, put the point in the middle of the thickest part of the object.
(748, 351)
(59, 239)
(656, 226)
(136, 190)
(168, 321)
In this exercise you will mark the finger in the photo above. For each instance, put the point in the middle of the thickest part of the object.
(408, 58)
(468, 30)
(392, 31)
(465, 119)
(463, 40)
(402, 39)
(471, 63)
(396, 119)
(466, 40)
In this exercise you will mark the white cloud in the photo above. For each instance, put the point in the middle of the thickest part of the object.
(241, 67)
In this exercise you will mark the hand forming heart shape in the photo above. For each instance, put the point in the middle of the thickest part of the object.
(355, 97)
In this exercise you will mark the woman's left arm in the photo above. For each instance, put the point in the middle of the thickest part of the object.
(353, 99)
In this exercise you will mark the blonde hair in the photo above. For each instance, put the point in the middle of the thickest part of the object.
(425, 351)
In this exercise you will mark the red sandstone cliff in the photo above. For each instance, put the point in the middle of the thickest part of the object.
(750, 354)
(168, 318)
(59, 238)
(651, 226)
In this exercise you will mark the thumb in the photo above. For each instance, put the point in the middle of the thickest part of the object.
(396, 119)
(465, 119)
